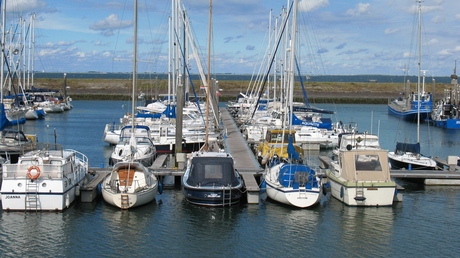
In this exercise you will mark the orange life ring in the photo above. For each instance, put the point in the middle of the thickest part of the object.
(36, 175)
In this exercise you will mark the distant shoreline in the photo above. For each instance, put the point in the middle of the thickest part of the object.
(317, 92)
(357, 78)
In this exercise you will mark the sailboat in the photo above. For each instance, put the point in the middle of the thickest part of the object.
(289, 181)
(211, 178)
(407, 155)
(130, 184)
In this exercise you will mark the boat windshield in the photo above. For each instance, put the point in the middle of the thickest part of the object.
(367, 163)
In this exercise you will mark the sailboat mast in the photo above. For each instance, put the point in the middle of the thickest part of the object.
(419, 65)
(208, 87)
(134, 65)
(2, 67)
(292, 62)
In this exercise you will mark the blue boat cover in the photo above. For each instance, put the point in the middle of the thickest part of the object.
(408, 147)
(4, 122)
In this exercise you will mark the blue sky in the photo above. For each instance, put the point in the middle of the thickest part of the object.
(339, 38)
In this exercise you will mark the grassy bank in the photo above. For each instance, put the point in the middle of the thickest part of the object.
(318, 92)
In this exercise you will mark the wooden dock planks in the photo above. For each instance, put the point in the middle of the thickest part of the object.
(245, 162)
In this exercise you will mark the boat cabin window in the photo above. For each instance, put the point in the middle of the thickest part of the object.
(28, 162)
(15, 135)
(213, 171)
(367, 163)
(278, 137)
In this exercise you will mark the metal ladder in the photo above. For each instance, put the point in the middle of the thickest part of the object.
(31, 197)
(359, 197)
(124, 201)
(227, 194)
(303, 192)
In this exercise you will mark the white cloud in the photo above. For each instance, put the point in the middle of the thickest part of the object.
(432, 42)
(109, 24)
(23, 5)
(359, 9)
(390, 31)
(310, 5)
(438, 19)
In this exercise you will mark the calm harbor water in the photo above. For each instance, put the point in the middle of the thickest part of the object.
(424, 224)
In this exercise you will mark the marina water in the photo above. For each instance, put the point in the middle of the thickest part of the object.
(425, 223)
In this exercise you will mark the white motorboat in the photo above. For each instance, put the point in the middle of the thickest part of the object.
(48, 178)
(357, 141)
(134, 145)
(361, 177)
(130, 184)
(408, 156)
(211, 179)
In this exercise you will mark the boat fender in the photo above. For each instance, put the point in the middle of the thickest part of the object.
(34, 175)
(77, 190)
(263, 186)
(160, 187)
(324, 189)
(341, 192)
(264, 159)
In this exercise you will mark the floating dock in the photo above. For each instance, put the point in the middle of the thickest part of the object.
(165, 165)
(171, 166)
(245, 161)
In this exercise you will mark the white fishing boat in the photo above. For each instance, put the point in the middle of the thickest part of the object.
(45, 179)
(130, 184)
(361, 177)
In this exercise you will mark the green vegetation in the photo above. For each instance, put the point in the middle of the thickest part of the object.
(318, 92)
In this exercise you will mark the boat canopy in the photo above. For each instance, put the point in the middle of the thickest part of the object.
(296, 174)
(407, 147)
(212, 171)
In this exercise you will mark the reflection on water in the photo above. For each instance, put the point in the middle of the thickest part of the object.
(371, 227)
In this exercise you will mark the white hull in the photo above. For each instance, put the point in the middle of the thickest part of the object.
(134, 199)
(374, 195)
(31, 114)
(130, 184)
(301, 197)
(58, 200)
(293, 184)
(54, 187)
